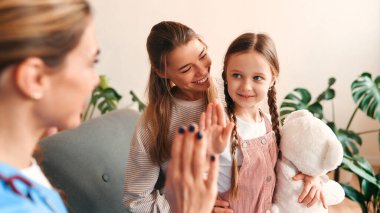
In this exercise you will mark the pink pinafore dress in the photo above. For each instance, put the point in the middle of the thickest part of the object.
(257, 177)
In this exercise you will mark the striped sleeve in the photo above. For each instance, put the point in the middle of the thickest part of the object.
(141, 176)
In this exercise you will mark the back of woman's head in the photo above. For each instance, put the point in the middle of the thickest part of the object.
(47, 29)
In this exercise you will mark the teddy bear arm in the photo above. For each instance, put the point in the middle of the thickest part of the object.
(333, 193)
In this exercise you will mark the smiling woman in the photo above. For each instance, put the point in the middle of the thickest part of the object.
(179, 89)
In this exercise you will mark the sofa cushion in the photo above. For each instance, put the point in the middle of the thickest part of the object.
(88, 163)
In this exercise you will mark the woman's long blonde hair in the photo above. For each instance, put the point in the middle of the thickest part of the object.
(164, 37)
(47, 29)
(262, 44)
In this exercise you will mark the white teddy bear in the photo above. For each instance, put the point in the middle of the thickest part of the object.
(309, 146)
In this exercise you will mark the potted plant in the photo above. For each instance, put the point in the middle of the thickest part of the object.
(104, 98)
(366, 94)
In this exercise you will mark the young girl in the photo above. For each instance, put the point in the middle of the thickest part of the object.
(247, 178)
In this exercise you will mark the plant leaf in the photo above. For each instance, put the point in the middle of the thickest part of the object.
(298, 99)
(369, 190)
(349, 139)
(354, 195)
(331, 81)
(363, 163)
(141, 105)
(328, 94)
(351, 166)
(366, 93)
(316, 109)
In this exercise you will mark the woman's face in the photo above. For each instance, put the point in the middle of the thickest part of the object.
(70, 87)
(188, 67)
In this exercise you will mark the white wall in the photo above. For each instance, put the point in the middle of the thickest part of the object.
(315, 40)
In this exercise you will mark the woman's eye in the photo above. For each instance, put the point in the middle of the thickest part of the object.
(203, 56)
(257, 78)
(236, 75)
(185, 69)
(94, 62)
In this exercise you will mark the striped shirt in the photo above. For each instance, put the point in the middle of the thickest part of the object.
(142, 174)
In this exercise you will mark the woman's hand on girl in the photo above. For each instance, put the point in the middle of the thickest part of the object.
(217, 126)
(312, 190)
(222, 206)
(187, 190)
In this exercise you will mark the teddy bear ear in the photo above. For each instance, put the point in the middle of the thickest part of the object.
(334, 154)
(297, 114)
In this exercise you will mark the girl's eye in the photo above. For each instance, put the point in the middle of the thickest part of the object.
(257, 78)
(203, 56)
(236, 75)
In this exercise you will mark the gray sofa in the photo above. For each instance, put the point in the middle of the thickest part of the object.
(88, 163)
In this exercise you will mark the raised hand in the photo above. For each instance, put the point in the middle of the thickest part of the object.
(214, 121)
(187, 190)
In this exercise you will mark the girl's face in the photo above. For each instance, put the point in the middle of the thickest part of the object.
(249, 78)
(70, 87)
(188, 67)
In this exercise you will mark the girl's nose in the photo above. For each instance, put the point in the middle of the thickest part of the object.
(247, 85)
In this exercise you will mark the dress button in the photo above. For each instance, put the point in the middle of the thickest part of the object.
(263, 141)
(269, 178)
(245, 144)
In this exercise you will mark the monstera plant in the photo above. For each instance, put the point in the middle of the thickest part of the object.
(366, 95)
(104, 98)
(136, 99)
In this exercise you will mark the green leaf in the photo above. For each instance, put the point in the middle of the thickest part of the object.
(316, 109)
(103, 82)
(351, 166)
(141, 105)
(366, 93)
(331, 81)
(298, 99)
(364, 164)
(332, 126)
(354, 195)
(349, 139)
(328, 94)
(369, 190)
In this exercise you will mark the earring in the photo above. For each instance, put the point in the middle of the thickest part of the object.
(36, 96)
(270, 88)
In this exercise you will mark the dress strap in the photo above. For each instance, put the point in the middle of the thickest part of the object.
(268, 124)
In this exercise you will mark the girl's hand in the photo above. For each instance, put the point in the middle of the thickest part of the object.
(312, 190)
(187, 190)
(218, 128)
(221, 206)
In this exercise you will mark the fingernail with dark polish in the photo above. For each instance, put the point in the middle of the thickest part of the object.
(191, 128)
(212, 158)
(181, 130)
(199, 135)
